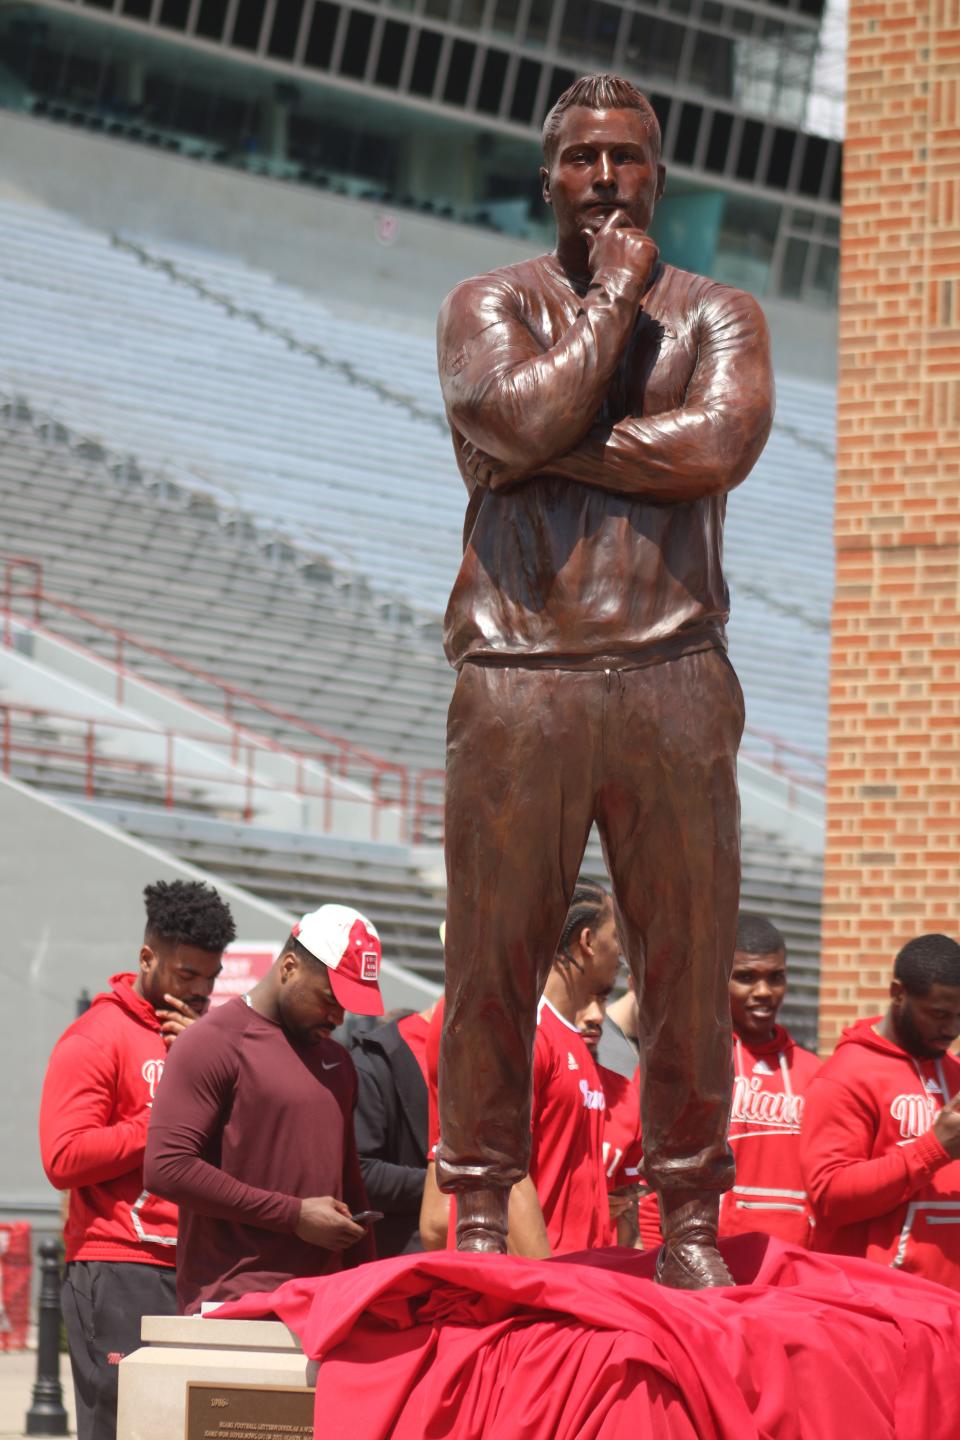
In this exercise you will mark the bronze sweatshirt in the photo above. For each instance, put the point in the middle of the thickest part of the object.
(631, 414)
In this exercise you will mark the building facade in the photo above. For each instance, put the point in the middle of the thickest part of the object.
(892, 866)
(436, 105)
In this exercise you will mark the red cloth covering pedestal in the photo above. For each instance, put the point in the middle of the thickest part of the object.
(586, 1347)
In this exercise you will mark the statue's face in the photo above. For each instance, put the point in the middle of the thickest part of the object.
(603, 161)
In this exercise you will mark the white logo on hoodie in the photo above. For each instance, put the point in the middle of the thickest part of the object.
(151, 1072)
(914, 1113)
(754, 1105)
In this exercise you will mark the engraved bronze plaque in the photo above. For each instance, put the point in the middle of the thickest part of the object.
(249, 1412)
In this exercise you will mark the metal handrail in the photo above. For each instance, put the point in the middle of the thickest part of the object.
(88, 759)
(411, 784)
(347, 752)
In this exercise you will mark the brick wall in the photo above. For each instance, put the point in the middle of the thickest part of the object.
(893, 814)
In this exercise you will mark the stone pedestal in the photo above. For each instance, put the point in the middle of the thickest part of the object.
(178, 1349)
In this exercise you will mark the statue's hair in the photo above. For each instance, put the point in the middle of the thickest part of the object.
(927, 961)
(600, 92)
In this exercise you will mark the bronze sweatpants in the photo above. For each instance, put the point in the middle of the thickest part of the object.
(534, 757)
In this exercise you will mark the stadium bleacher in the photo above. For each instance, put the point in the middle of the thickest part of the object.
(229, 470)
(252, 394)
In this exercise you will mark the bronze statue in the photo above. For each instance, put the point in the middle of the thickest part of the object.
(602, 404)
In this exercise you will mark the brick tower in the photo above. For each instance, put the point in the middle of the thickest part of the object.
(893, 810)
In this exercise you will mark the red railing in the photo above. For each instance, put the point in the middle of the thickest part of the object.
(390, 783)
(426, 809)
(389, 780)
(775, 754)
(12, 564)
(75, 748)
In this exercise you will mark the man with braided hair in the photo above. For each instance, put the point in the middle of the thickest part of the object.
(602, 405)
(562, 1205)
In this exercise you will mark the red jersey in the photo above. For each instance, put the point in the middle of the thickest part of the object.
(881, 1184)
(569, 1105)
(622, 1143)
(769, 1089)
(566, 1163)
(97, 1096)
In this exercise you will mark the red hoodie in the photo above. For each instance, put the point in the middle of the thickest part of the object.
(770, 1081)
(881, 1184)
(96, 1102)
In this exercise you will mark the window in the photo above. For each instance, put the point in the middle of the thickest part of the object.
(654, 46)
(458, 72)
(538, 21)
(286, 28)
(718, 145)
(525, 91)
(711, 66)
(812, 167)
(781, 158)
(590, 28)
(323, 29)
(425, 63)
(137, 9)
(685, 144)
(794, 261)
(211, 18)
(246, 29)
(823, 282)
(492, 82)
(661, 108)
(505, 17)
(173, 14)
(560, 80)
(749, 154)
(393, 45)
(471, 13)
(356, 45)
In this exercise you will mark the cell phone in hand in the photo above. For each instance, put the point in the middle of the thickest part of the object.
(367, 1217)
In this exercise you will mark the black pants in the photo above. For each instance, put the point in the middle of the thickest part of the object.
(103, 1303)
(534, 757)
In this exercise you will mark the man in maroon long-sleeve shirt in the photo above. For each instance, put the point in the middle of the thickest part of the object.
(252, 1129)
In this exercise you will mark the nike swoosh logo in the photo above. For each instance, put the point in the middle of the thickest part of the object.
(334, 1064)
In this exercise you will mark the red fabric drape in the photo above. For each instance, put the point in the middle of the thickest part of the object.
(585, 1347)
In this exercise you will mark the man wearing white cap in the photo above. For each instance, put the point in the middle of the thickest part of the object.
(252, 1127)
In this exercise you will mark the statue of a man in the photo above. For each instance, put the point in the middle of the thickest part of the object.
(602, 404)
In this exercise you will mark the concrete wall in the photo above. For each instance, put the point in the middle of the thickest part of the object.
(327, 244)
(72, 908)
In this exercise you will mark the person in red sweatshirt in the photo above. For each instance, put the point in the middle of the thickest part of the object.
(771, 1076)
(97, 1095)
(252, 1132)
(881, 1131)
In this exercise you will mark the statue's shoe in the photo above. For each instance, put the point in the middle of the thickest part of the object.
(691, 1265)
(481, 1240)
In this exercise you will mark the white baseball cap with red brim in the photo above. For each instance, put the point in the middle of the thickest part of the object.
(348, 944)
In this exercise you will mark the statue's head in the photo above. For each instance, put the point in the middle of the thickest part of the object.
(601, 149)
